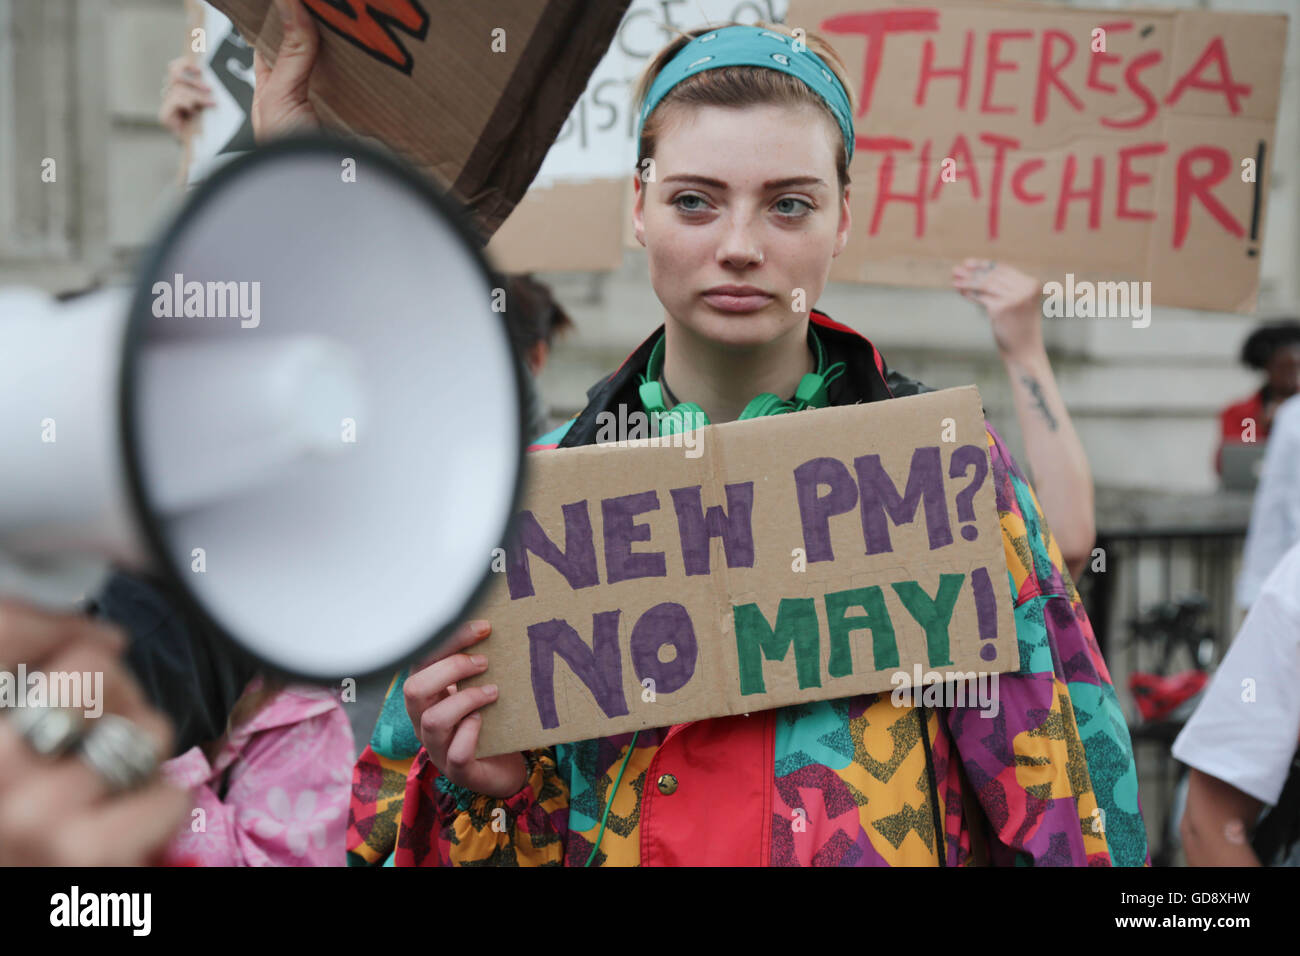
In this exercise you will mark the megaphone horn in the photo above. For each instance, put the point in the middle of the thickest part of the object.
(307, 417)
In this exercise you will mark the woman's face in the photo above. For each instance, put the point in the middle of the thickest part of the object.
(742, 197)
(1284, 371)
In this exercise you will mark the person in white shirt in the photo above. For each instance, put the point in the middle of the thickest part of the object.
(1242, 738)
(1275, 515)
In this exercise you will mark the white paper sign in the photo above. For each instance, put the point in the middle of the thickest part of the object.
(223, 131)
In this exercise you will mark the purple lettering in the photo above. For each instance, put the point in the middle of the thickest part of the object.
(664, 624)
(815, 510)
(621, 562)
(698, 527)
(880, 498)
(600, 667)
(986, 611)
(577, 562)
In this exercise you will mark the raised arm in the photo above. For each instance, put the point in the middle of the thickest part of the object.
(1062, 477)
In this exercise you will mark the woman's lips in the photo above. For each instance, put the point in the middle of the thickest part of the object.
(728, 302)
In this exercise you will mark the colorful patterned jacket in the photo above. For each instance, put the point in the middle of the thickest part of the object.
(1049, 781)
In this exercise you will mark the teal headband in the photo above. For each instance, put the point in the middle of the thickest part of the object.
(753, 46)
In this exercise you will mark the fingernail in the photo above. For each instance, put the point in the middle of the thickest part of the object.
(480, 628)
(490, 689)
(478, 659)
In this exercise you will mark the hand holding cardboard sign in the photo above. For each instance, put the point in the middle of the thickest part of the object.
(444, 717)
(280, 101)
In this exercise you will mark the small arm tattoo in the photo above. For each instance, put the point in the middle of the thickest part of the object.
(1036, 391)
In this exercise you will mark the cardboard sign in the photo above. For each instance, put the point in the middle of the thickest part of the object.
(807, 556)
(474, 93)
(1111, 145)
(1140, 154)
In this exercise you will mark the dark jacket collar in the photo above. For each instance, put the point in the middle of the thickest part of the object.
(866, 378)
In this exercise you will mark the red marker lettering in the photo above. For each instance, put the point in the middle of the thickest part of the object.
(1091, 192)
(1049, 74)
(1128, 179)
(875, 27)
(1214, 52)
(1000, 146)
(1023, 172)
(967, 167)
(993, 66)
(1134, 83)
(929, 72)
(1103, 59)
(885, 179)
(1189, 185)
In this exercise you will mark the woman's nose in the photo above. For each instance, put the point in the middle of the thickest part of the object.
(740, 246)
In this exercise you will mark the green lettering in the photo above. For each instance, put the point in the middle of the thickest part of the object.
(933, 614)
(883, 646)
(796, 621)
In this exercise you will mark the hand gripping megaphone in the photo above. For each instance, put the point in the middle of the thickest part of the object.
(306, 416)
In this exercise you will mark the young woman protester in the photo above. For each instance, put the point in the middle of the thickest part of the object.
(751, 136)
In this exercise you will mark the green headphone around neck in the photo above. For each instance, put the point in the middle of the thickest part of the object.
(687, 416)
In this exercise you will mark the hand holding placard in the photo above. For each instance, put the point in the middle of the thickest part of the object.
(280, 103)
(445, 719)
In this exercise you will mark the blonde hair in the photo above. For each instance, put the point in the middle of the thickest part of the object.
(737, 86)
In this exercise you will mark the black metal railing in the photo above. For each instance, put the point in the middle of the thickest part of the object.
(1156, 577)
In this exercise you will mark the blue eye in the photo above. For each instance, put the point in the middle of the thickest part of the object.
(678, 202)
(807, 207)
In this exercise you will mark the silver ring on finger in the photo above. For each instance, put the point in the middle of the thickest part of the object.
(121, 753)
(50, 731)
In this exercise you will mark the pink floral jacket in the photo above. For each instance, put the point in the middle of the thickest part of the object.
(287, 775)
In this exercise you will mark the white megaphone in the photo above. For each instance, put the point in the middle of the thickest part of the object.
(306, 417)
